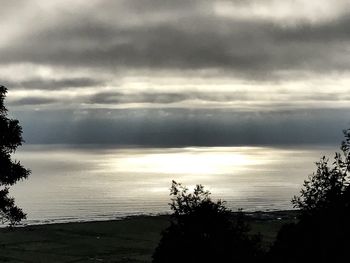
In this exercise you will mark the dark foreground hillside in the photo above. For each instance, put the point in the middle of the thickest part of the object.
(129, 240)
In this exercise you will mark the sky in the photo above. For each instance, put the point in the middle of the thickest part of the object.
(177, 73)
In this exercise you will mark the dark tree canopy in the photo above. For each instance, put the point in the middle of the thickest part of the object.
(204, 231)
(323, 231)
(327, 191)
(10, 171)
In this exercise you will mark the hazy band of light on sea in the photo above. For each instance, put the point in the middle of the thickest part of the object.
(93, 183)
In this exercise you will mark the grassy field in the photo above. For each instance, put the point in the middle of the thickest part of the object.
(128, 240)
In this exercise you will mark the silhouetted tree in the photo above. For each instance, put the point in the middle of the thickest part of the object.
(204, 231)
(323, 231)
(10, 171)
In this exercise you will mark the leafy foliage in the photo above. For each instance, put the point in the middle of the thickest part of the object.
(328, 188)
(323, 232)
(10, 171)
(204, 231)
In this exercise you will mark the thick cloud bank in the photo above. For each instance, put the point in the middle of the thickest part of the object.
(227, 72)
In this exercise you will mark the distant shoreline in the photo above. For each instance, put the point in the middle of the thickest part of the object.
(251, 215)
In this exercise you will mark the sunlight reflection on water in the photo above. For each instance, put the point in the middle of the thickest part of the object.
(91, 183)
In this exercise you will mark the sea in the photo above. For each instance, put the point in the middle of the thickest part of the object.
(73, 183)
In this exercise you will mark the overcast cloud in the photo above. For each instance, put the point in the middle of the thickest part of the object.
(197, 72)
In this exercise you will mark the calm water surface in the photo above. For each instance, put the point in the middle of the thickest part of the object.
(91, 183)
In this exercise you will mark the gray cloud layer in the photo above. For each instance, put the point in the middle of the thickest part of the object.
(164, 97)
(62, 60)
(184, 35)
(33, 101)
(52, 84)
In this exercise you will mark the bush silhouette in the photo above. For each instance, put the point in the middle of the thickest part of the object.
(323, 231)
(204, 231)
(10, 171)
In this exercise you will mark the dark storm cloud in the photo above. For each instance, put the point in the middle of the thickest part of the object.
(181, 127)
(52, 84)
(332, 31)
(253, 48)
(32, 101)
(161, 46)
